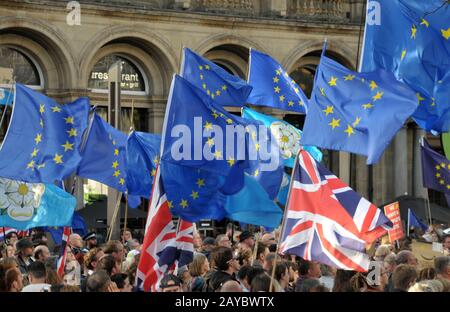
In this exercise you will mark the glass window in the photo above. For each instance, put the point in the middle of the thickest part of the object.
(132, 77)
(24, 70)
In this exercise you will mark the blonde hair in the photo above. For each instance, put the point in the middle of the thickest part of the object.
(427, 286)
(196, 266)
(382, 251)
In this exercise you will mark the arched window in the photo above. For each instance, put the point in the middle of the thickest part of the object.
(133, 79)
(24, 69)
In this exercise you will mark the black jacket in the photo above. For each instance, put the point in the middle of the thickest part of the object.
(219, 278)
(23, 267)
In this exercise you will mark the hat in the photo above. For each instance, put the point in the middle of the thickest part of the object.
(170, 280)
(209, 241)
(90, 235)
(24, 243)
(244, 235)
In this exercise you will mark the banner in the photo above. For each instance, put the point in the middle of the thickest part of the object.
(392, 211)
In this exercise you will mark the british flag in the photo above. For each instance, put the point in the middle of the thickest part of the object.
(185, 243)
(61, 265)
(328, 222)
(4, 231)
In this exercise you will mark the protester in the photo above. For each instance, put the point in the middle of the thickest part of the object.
(446, 244)
(246, 240)
(198, 268)
(227, 266)
(24, 253)
(91, 260)
(261, 283)
(381, 252)
(100, 282)
(41, 253)
(427, 274)
(209, 244)
(90, 240)
(231, 286)
(12, 238)
(427, 286)
(342, 281)
(404, 277)
(117, 250)
(126, 236)
(122, 281)
(406, 257)
(8, 250)
(108, 264)
(442, 267)
(197, 241)
(261, 252)
(242, 277)
(267, 264)
(282, 275)
(170, 283)
(223, 240)
(307, 270)
(37, 277)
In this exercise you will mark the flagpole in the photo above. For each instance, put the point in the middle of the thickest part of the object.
(409, 222)
(283, 223)
(116, 210)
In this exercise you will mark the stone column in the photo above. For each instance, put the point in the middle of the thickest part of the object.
(344, 167)
(79, 193)
(156, 116)
(111, 206)
(401, 163)
(418, 189)
(362, 176)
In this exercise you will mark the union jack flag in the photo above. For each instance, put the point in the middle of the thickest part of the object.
(185, 243)
(63, 252)
(327, 221)
(4, 231)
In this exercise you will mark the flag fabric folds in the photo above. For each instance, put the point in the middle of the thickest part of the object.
(77, 226)
(272, 85)
(104, 155)
(61, 264)
(6, 97)
(413, 221)
(43, 138)
(185, 243)
(28, 205)
(327, 221)
(287, 136)
(284, 189)
(356, 112)
(404, 38)
(224, 88)
(142, 157)
(435, 169)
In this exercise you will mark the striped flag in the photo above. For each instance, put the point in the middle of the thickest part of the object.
(62, 258)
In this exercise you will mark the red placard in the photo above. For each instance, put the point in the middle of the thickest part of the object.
(392, 211)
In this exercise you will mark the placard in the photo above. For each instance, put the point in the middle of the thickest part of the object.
(392, 211)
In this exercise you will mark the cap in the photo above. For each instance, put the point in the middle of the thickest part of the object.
(209, 241)
(170, 280)
(24, 243)
(244, 235)
(89, 236)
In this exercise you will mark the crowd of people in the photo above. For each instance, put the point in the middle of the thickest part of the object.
(221, 264)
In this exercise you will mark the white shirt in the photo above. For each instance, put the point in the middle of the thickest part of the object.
(36, 287)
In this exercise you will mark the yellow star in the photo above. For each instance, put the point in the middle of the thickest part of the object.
(116, 173)
(207, 67)
(367, 106)
(115, 164)
(419, 98)
(334, 123)
(156, 160)
(210, 142)
(38, 138)
(443, 165)
(69, 120)
(224, 87)
(322, 91)
(413, 32)
(276, 79)
(208, 125)
(253, 135)
(329, 110)
(200, 182)
(377, 96)
(291, 103)
(35, 151)
(200, 67)
(201, 77)
(438, 167)
(30, 165)
(58, 158)
(229, 121)
(257, 146)
(256, 173)
(41, 166)
(41, 123)
(282, 98)
(448, 166)
(215, 115)
(218, 154)
(72, 132)
(278, 71)
(218, 92)
(170, 204)
(349, 130)
(231, 161)
(286, 75)
(332, 81)
(349, 77)
(448, 186)
(213, 95)
(41, 108)
(446, 33)
(296, 90)
(403, 54)
(153, 172)
(183, 203)
(300, 103)
(433, 102)
(56, 109)
(425, 22)
(438, 175)
(116, 152)
(67, 146)
(208, 92)
(373, 85)
(122, 181)
(194, 195)
(277, 89)
(441, 181)
(204, 86)
(356, 122)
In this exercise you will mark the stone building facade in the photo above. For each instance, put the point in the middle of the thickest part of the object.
(66, 60)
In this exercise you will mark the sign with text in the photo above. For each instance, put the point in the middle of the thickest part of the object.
(392, 211)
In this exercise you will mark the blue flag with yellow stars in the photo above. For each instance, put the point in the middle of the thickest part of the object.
(142, 157)
(356, 112)
(43, 139)
(77, 225)
(6, 97)
(411, 38)
(286, 135)
(104, 155)
(435, 169)
(224, 88)
(272, 85)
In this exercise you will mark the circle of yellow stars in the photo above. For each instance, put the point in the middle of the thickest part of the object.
(118, 174)
(440, 175)
(211, 93)
(279, 75)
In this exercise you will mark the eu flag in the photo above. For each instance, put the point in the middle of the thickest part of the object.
(435, 169)
(356, 112)
(411, 38)
(413, 221)
(43, 139)
(6, 97)
(287, 136)
(224, 88)
(272, 85)
(142, 157)
(77, 225)
(104, 155)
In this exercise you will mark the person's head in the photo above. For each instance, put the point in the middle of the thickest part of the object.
(427, 274)
(8, 251)
(37, 272)
(134, 244)
(199, 266)
(406, 257)
(442, 267)
(242, 276)
(390, 263)
(170, 283)
(75, 241)
(260, 283)
(108, 264)
(209, 243)
(404, 276)
(13, 280)
(25, 247)
(293, 271)
(267, 264)
(126, 236)
(261, 252)
(282, 274)
(197, 240)
(91, 240)
(446, 241)
(247, 239)
(225, 260)
(381, 252)
(40, 236)
(52, 277)
(116, 249)
(12, 237)
(427, 286)
(252, 272)
(342, 281)
(223, 240)
(245, 257)
(308, 284)
(268, 239)
(92, 257)
(231, 286)
(309, 269)
(41, 253)
(122, 281)
(98, 282)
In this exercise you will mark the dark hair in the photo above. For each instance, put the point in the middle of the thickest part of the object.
(38, 236)
(98, 282)
(260, 249)
(402, 257)
(308, 284)
(441, 263)
(445, 237)
(119, 279)
(261, 282)
(223, 256)
(280, 270)
(243, 272)
(132, 272)
(37, 269)
(38, 254)
(319, 288)
(342, 281)
(112, 246)
(8, 236)
(427, 274)
(11, 275)
(107, 263)
(403, 275)
(303, 267)
(273, 248)
(91, 256)
(254, 271)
